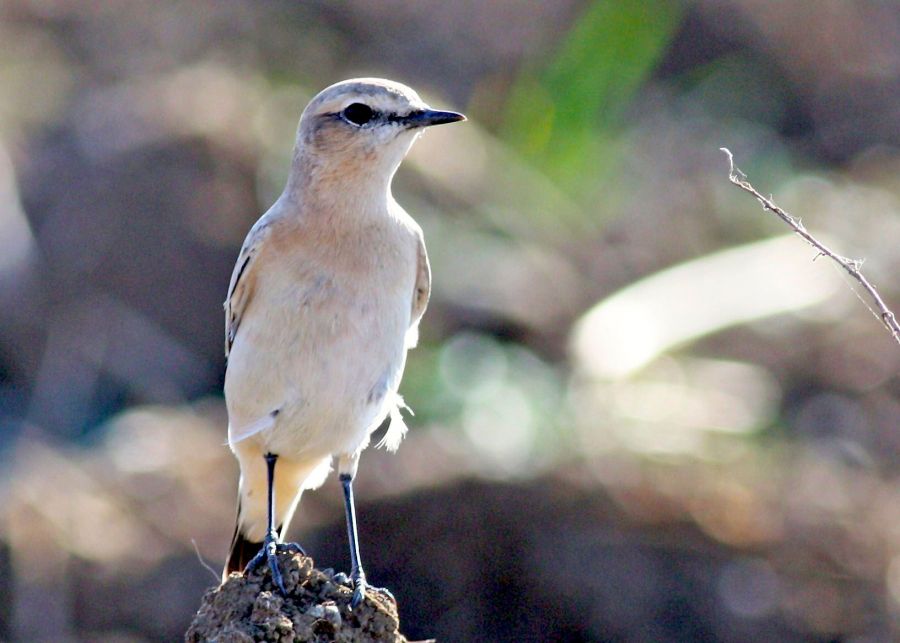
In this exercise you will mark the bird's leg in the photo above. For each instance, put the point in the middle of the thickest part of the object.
(269, 551)
(357, 575)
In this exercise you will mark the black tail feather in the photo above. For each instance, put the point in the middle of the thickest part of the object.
(242, 552)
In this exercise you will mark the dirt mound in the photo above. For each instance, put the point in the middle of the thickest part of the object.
(317, 608)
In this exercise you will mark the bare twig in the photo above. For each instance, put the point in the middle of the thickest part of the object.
(852, 266)
(203, 562)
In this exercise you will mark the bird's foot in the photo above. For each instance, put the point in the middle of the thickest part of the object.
(269, 553)
(361, 586)
(384, 591)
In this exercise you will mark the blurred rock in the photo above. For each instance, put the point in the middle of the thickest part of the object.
(785, 547)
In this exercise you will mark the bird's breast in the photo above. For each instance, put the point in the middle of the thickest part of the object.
(322, 341)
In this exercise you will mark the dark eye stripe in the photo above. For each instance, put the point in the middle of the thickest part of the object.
(389, 117)
(397, 118)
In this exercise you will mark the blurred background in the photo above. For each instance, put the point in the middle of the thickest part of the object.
(643, 412)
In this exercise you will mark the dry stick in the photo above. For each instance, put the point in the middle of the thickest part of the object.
(850, 265)
(204, 563)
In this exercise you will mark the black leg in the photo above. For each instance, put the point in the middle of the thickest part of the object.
(269, 551)
(357, 575)
(271, 459)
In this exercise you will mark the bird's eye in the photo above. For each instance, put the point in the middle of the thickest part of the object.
(358, 114)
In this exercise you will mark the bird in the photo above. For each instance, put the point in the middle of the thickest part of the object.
(323, 304)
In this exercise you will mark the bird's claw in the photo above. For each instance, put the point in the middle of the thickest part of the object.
(269, 553)
(384, 591)
(292, 548)
(361, 586)
(359, 589)
(358, 579)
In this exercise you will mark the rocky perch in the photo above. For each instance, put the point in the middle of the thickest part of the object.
(317, 608)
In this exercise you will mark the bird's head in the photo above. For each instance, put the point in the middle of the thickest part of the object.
(365, 125)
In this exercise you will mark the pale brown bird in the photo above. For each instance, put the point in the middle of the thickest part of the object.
(324, 302)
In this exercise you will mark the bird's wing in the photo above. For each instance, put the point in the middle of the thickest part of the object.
(397, 428)
(243, 278)
(421, 293)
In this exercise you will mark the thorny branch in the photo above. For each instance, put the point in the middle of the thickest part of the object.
(852, 266)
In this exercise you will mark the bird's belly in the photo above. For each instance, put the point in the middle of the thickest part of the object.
(324, 366)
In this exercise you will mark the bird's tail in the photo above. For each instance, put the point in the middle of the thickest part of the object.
(242, 549)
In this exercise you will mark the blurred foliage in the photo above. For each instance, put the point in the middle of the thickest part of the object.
(565, 114)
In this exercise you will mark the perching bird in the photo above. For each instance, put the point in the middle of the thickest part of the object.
(324, 302)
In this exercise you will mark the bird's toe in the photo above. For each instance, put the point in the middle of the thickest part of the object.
(269, 554)
(359, 594)
(384, 591)
(292, 548)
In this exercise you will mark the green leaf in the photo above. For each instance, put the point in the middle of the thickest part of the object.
(565, 117)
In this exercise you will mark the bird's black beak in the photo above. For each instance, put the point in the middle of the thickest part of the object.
(428, 117)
